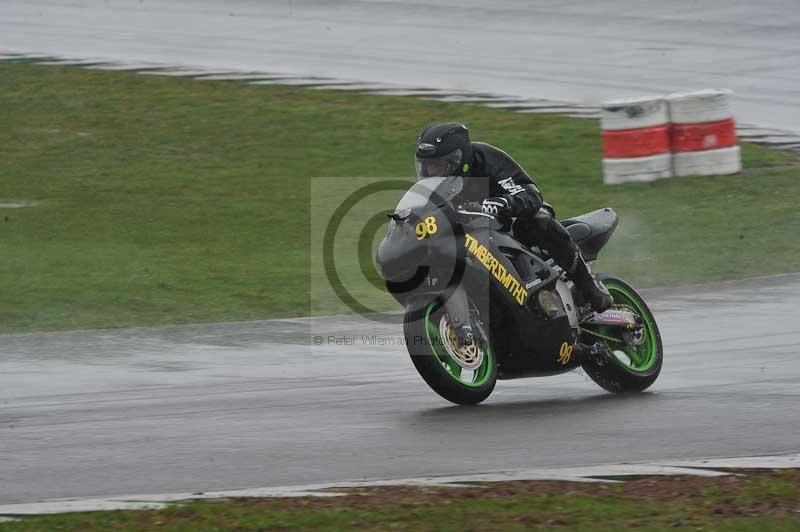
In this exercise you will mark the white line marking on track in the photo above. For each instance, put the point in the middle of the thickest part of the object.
(591, 473)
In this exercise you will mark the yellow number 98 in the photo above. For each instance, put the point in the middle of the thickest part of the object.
(565, 353)
(426, 227)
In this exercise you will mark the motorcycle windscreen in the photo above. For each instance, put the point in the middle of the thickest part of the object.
(433, 191)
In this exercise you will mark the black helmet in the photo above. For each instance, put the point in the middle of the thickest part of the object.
(443, 149)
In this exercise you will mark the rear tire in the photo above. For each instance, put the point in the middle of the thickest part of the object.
(439, 369)
(644, 362)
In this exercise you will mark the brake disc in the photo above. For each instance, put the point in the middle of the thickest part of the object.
(636, 336)
(468, 355)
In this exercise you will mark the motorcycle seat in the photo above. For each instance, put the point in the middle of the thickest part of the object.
(592, 230)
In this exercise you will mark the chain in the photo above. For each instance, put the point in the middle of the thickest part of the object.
(604, 337)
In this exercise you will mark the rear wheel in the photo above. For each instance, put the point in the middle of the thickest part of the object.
(463, 374)
(635, 356)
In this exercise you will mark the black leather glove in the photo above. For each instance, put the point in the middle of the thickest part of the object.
(498, 206)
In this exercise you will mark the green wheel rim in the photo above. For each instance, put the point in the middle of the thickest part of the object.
(479, 377)
(643, 357)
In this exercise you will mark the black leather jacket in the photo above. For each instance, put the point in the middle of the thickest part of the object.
(494, 173)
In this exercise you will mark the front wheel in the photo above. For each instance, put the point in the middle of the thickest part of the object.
(635, 356)
(463, 374)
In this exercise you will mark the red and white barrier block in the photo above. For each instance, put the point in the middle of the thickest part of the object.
(636, 143)
(703, 133)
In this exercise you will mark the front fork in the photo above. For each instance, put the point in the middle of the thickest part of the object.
(457, 308)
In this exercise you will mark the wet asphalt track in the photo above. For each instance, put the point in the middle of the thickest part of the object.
(574, 51)
(257, 404)
(196, 408)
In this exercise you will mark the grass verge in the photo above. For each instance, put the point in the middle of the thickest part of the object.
(163, 200)
(765, 500)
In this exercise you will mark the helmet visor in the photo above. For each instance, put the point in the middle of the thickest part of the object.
(444, 166)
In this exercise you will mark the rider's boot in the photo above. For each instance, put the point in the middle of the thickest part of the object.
(591, 288)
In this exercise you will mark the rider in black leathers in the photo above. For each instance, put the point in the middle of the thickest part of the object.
(506, 191)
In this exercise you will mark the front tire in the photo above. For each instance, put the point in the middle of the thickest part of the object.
(629, 368)
(437, 358)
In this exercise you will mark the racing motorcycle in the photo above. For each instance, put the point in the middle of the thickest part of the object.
(457, 269)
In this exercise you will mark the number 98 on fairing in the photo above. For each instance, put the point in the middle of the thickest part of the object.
(426, 227)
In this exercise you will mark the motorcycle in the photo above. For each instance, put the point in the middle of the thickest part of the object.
(480, 306)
